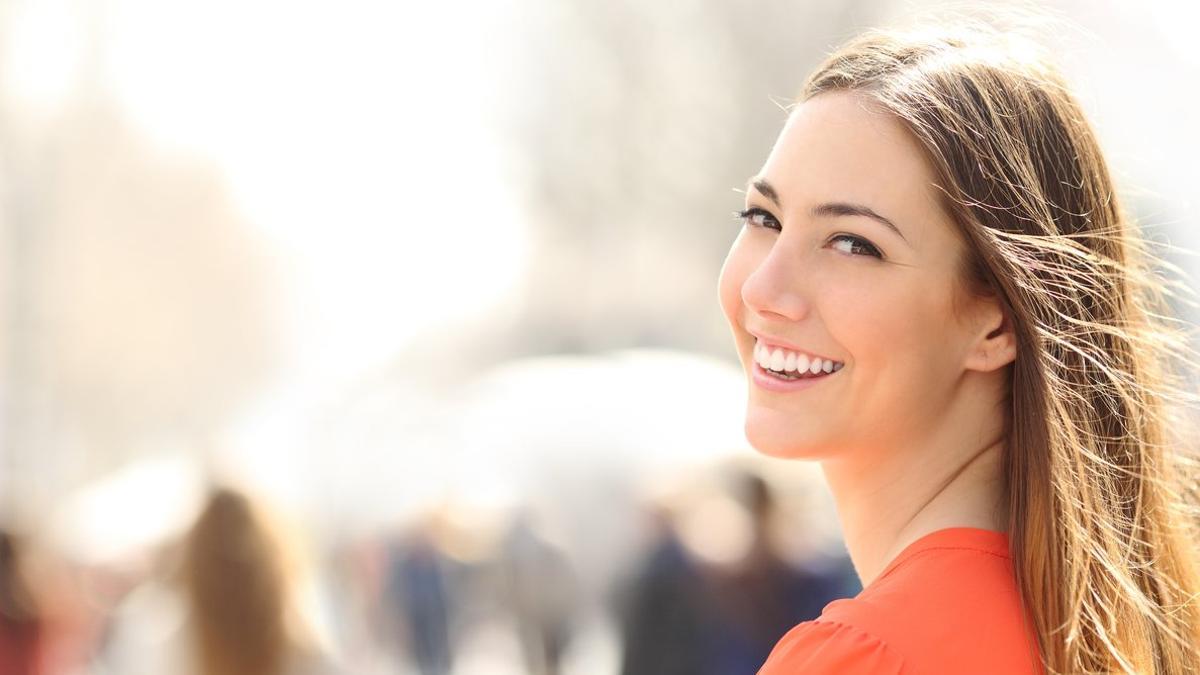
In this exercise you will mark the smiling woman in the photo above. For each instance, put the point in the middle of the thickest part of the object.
(937, 295)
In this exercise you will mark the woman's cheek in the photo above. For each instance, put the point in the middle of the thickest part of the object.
(866, 320)
(899, 340)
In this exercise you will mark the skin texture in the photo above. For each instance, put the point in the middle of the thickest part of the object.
(909, 432)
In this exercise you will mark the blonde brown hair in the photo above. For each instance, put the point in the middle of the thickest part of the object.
(1100, 484)
(235, 580)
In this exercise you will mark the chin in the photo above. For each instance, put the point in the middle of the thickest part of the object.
(774, 437)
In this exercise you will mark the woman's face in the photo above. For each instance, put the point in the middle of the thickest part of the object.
(808, 272)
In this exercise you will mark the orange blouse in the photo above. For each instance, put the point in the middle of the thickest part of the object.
(948, 603)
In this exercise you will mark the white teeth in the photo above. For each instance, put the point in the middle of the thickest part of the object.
(777, 359)
(761, 356)
(787, 361)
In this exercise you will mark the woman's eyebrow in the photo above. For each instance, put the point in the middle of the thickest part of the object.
(828, 209)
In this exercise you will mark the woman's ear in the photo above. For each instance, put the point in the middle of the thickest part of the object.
(994, 344)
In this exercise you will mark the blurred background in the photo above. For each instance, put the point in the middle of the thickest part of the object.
(383, 337)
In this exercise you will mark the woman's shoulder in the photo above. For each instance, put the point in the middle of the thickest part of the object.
(947, 604)
(824, 646)
(952, 602)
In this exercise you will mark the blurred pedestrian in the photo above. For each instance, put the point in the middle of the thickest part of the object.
(665, 611)
(231, 607)
(542, 590)
(21, 623)
(418, 589)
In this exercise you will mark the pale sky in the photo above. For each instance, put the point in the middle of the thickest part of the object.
(355, 136)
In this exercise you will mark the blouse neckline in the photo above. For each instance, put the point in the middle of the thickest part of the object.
(971, 538)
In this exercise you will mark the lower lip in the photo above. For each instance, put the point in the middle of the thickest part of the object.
(772, 383)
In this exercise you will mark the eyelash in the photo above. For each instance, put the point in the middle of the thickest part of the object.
(755, 211)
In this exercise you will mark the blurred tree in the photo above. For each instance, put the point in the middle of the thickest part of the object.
(154, 297)
(138, 305)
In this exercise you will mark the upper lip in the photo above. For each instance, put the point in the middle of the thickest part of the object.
(784, 344)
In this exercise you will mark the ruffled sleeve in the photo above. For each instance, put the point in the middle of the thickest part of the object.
(822, 647)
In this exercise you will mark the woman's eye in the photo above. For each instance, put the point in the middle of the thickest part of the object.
(856, 246)
(754, 212)
(849, 244)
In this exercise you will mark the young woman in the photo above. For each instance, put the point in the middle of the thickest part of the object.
(233, 610)
(937, 295)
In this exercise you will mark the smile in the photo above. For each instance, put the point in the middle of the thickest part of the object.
(781, 370)
(792, 365)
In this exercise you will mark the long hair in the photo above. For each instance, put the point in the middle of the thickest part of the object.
(234, 578)
(1099, 480)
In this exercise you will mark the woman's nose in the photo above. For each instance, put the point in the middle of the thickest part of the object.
(774, 289)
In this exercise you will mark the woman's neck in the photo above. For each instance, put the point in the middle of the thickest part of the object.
(886, 503)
